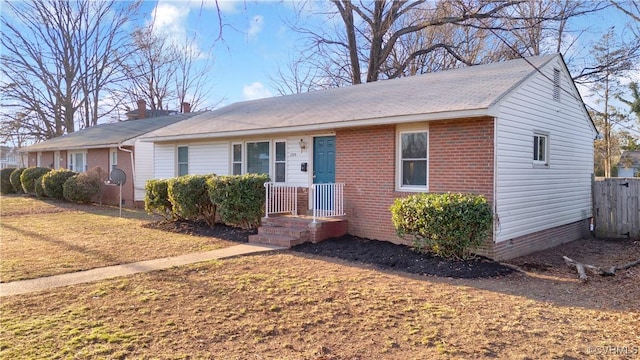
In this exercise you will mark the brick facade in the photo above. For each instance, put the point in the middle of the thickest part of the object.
(97, 158)
(460, 160)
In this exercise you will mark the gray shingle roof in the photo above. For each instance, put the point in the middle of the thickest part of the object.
(446, 92)
(107, 135)
(630, 159)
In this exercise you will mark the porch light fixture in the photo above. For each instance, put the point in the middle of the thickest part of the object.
(303, 145)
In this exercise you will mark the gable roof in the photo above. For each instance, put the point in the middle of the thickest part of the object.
(464, 92)
(107, 135)
(630, 159)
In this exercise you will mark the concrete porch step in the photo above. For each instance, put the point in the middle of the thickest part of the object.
(275, 239)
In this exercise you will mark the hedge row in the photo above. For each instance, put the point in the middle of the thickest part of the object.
(56, 184)
(449, 225)
(234, 200)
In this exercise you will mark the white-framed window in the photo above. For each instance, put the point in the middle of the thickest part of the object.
(540, 149)
(280, 161)
(258, 158)
(236, 159)
(183, 160)
(39, 159)
(113, 158)
(413, 160)
(77, 161)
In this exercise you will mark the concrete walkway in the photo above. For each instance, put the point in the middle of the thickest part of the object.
(80, 277)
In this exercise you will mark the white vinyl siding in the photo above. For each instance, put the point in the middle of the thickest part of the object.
(144, 162)
(295, 158)
(209, 158)
(164, 160)
(528, 198)
(217, 158)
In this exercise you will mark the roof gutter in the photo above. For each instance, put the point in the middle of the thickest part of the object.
(64, 148)
(449, 115)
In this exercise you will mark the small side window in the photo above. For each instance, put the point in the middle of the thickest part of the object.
(183, 160)
(281, 161)
(540, 149)
(236, 160)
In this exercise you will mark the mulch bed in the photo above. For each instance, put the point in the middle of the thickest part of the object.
(386, 255)
(382, 254)
(219, 231)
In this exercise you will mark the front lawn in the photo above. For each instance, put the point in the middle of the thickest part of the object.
(42, 238)
(292, 306)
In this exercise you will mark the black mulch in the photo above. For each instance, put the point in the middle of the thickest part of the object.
(219, 231)
(382, 254)
(386, 255)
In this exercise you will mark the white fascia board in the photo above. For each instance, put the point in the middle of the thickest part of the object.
(449, 115)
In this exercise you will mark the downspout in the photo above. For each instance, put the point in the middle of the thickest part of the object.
(133, 172)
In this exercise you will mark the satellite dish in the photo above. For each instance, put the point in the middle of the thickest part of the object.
(117, 176)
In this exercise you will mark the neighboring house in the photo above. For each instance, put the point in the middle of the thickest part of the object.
(629, 165)
(107, 146)
(516, 132)
(10, 157)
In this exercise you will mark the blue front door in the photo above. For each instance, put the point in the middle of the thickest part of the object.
(324, 159)
(324, 171)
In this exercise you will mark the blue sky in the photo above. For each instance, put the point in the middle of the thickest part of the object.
(256, 40)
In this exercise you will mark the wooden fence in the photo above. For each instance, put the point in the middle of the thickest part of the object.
(616, 208)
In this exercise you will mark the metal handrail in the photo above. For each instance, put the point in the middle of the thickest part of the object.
(327, 200)
(281, 198)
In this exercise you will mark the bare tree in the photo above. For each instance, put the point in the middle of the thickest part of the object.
(166, 72)
(297, 77)
(614, 62)
(151, 69)
(105, 41)
(53, 62)
(192, 78)
(371, 33)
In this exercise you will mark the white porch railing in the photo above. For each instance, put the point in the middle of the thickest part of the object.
(327, 200)
(281, 198)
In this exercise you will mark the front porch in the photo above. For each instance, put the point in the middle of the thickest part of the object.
(282, 224)
(291, 230)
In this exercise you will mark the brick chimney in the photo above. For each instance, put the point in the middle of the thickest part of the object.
(186, 107)
(142, 109)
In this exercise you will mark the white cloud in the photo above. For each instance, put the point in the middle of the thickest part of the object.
(255, 26)
(255, 91)
(170, 20)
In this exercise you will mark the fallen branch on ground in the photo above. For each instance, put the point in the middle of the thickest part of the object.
(580, 268)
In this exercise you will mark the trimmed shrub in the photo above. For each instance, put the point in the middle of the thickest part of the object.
(38, 187)
(53, 182)
(5, 181)
(449, 225)
(156, 198)
(15, 180)
(190, 200)
(82, 188)
(240, 199)
(29, 176)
